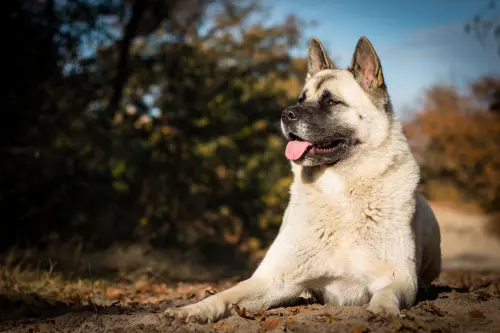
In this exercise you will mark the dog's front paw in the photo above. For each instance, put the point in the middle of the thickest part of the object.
(385, 309)
(202, 312)
(190, 313)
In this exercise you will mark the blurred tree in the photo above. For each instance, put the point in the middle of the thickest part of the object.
(147, 120)
(457, 141)
(486, 25)
(487, 89)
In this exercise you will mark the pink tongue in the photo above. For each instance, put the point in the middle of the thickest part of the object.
(295, 149)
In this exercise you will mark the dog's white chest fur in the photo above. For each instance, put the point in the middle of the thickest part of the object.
(332, 185)
(337, 240)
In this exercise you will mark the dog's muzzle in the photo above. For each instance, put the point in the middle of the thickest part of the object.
(291, 115)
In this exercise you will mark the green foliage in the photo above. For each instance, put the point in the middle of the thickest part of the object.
(88, 157)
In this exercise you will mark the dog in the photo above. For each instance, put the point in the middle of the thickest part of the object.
(356, 230)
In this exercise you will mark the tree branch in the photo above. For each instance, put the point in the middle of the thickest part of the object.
(138, 8)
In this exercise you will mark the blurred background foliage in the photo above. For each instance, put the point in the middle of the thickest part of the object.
(157, 122)
(456, 139)
(146, 121)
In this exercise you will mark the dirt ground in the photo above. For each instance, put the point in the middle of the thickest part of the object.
(466, 298)
(459, 302)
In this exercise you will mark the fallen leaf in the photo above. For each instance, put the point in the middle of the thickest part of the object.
(161, 288)
(41, 328)
(242, 312)
(269, 324)
(360, 329)
(142, 285)
(206, 292)
(483, 296)
(328, 318)
(114, 293)
(476, 314)
(210, 291)
(261, 314)
(222, 326)
(434, 310)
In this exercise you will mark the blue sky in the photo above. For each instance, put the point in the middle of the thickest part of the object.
(420, 43)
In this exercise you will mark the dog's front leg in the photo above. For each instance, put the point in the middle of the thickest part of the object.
(400, 293)
(253, 294)
(278, 280)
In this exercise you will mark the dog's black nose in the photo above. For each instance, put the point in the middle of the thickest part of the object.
(289, 115)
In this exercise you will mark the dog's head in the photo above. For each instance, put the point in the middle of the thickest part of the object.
(340, 112)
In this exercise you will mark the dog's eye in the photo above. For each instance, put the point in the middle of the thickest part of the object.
(332, 102)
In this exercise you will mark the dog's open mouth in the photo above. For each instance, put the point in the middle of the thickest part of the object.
(297, 147)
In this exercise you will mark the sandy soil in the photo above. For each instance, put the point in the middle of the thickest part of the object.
(465, 240)
(466, 298)
(460, 302)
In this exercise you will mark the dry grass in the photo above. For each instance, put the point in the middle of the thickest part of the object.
(125, 289)
(40, 293)
(44, 301)
(50, 283)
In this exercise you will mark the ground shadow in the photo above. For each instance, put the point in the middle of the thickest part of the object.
(32, 307)
(434, 292)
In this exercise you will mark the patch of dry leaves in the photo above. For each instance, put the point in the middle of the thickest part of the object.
(28, 294)
(25, 293)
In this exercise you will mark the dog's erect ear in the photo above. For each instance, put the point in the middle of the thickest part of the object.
(317, 59)
(366, 66)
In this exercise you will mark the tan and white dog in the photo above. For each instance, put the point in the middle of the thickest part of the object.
(356, 231)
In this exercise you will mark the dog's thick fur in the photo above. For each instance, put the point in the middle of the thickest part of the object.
(355, 231)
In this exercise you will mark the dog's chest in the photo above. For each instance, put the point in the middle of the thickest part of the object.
(346, 233)
(346, 237)
(355, 261)
(350, 234)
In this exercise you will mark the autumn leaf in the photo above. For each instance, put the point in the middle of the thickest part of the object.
(261, 313)
(483, 296)
(209, 292)
(431, 308)
(222, 326)
(114, 293)
(242, 312)
(477, 314)
(142, 285)
(328, 318)
(360, 329)
(269, 324)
